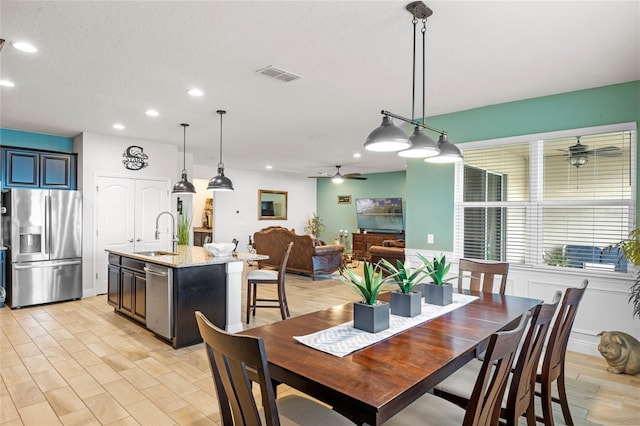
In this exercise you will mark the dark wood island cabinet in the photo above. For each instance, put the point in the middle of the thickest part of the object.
(200, 282)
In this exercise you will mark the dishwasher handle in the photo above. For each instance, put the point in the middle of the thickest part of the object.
(152, 272)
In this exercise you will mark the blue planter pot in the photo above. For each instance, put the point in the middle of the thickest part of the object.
(406, 305)
(371, 318)
(438, 294)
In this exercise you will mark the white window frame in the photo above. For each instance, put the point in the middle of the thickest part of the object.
(535, 204)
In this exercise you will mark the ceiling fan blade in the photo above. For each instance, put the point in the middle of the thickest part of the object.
(351, 174)
(606, 154)
(355, 177)
(319, 177)
(604, 149)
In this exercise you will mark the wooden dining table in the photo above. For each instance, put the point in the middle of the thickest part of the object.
(373, 384)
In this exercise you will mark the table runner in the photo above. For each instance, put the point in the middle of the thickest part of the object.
(343, 339)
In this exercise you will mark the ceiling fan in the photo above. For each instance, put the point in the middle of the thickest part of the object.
(338, 177)
(578, 154)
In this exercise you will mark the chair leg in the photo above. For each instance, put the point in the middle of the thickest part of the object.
(545, 399)
(255, 298)
(531, 412)
(564, 403)
(248, 299)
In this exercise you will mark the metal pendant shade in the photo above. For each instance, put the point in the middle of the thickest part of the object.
(220, 182)
(387, 138)
(183, 186)
(422, 146)
(449, 153)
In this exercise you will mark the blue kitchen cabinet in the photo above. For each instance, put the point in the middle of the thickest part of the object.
(36, 169)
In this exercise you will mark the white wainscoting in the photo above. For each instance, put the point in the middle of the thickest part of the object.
(605, 305)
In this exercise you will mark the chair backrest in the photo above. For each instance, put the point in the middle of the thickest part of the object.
(482, 275)
(283, 264)
(553, 363)
(486, 399)
(520, 393)
(233, 359)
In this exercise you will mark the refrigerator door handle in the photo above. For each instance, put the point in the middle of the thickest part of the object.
(43, 265)
(47, 224)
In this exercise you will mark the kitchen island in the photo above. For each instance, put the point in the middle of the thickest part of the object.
(194, 280)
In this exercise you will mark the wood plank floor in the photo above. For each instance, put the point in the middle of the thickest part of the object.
(79, 363)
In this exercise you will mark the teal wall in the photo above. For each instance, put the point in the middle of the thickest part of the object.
(430, 186)
(20, 139)
(343, 216)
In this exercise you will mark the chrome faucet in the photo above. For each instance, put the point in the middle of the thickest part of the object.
(174, 240)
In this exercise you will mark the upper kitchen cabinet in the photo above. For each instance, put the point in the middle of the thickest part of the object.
(24, 168)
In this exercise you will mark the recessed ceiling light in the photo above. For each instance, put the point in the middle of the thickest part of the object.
(195, 92)
(269, 167)
(118, 126)
(24, 47)
(356, 155)
(152, 113)
(6, 83)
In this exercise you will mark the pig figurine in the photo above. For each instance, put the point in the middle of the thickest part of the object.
(621, 351)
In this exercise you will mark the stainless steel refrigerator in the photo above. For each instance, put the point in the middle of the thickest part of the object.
(43, 231)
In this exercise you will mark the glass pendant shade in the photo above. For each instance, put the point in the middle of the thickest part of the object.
(578, 160)
(220, 182)
(387, 138)
(449, 153)
(184, 186)
(422, 146)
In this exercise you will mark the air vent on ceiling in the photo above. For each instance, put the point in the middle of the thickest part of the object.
(278, 74)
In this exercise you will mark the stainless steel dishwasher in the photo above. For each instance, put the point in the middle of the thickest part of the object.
(159, 299)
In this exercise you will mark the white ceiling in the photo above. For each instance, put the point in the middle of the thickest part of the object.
(103, 62)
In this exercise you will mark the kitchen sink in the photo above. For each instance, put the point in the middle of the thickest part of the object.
(156, 253)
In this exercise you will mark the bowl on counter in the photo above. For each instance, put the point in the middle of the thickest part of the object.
(220, 249)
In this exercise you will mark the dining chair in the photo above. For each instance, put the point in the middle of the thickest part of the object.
(482, 275)
(519, 398)
(488, 391)
(552, 369)
(262, 276)
(236, 362)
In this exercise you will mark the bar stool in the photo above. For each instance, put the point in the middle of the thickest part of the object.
(261, 276)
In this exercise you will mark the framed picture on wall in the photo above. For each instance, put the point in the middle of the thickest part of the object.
(344, 199)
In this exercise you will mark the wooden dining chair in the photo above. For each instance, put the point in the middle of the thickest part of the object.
(519, 398)
(236, 362)
(552, 369)
(488, 391)
(262, 276)
(482, 275)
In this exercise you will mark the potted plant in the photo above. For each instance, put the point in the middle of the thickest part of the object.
(370, 314)
(631, 249)
(314, 226)
(405, 301)
(438, 292)
(184, 227)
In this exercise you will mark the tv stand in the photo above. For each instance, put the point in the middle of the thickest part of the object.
(361, 242)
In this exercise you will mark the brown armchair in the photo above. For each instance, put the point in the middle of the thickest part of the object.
(308, 255)
(391, 250)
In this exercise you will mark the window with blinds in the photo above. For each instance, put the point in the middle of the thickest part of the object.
(559, 201)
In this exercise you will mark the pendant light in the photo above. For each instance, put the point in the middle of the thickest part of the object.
(220, 182)
(388, 137)
(449, 153)
(184, 186)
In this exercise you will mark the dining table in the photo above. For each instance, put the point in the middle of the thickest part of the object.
(373, 384)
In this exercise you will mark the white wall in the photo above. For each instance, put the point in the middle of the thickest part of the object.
(236, 213)
(102, 155)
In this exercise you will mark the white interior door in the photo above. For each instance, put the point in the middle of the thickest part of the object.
(126, 210)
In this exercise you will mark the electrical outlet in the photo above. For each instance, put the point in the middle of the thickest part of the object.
(429, 238)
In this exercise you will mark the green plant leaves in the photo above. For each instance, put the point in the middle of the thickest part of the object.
(368, 286)
(184, 225)
(436, 269)
(402, 274)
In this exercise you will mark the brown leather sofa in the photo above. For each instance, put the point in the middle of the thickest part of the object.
(308, 255)
(391, 250)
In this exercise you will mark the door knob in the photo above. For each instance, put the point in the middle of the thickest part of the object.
(131, 240)
(138, 240)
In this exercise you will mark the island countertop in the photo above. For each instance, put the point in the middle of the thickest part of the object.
(189, 256)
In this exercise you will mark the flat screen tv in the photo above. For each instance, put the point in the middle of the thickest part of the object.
(380, 214)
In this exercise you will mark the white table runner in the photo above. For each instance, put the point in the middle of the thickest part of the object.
(343, 339)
